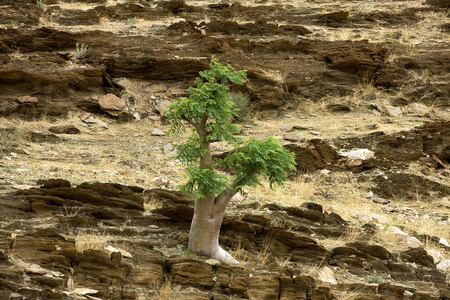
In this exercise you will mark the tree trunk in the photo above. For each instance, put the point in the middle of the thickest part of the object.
(204, 233)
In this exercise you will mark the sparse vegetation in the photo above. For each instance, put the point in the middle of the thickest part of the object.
(241, 102)
(375, 279)
(81, 50)
(131, 21)
(94, 240)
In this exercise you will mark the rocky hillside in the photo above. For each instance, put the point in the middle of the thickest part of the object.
(359, 91)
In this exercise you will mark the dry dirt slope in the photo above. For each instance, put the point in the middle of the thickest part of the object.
(325, 77)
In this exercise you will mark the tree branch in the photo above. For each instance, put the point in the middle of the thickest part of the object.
(223, 198)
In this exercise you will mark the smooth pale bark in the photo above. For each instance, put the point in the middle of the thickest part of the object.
(209, 212)
(205, 229)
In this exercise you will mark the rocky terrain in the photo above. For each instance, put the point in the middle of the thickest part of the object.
(358, 90)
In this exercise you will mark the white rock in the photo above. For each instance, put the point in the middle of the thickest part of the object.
(84, 291)
(444, 242)
(437, 256)
(36, 269)
(169, 151)
(213, 262)
(157, 132)
(411, 242)
(327, 275)
(124, 253)
(102, 124)
(357, 157)
(404, 238)
(444, 265)
(176, 20)
(325, 172)
(396, 231)
(370, 218)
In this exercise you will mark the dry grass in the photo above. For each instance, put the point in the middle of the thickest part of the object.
(91, 240)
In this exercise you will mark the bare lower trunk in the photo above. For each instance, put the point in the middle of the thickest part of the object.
(204, 233)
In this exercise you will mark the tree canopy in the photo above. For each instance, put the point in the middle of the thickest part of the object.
(209, 111)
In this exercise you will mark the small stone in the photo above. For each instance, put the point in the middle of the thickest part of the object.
(437, 256)
(444, 242)
(418, 109)
(169, 151)
(65, 129)
(444, 265)
(436, 114)
(325, 172)
(112, 104)
(22, 187)
(27, 99)
(84, 291)
(137, 116)
(102, 125)
(213, 262)
(27, 152)
(381, 201)
(157, 132)
(160, 181)
(357, 157)
(315, 132)
(35, 269)
(412, 242)
(124, 253)
(393, 111)
(327, 275)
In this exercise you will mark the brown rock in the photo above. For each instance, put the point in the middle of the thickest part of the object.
(112, 104)
(439, 3)
(146, 275)
(27, 99)
(67, 129)
(263, 285)
(190, 272)
(418, 255)
(435, 114)
(54, 183)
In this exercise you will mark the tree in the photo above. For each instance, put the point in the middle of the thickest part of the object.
(209, 111)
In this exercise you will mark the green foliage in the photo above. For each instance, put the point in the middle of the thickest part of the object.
(40, 3)
(203, 182)
(241, 104)
(266, 158)
(209, 100)
(14, 23)
(375, 279)
(209, 110)
(131, 21)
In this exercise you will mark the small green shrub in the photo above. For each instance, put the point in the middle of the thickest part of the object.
(8, 136)
(14, 23)
(375, 279)
(81, 50)
(131, 21)
(241, 104)
(40, 3)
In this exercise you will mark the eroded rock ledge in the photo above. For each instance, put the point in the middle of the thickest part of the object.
(40, 258)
